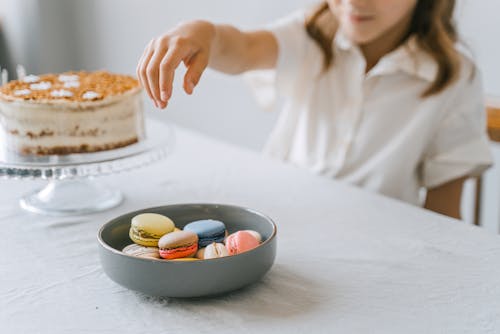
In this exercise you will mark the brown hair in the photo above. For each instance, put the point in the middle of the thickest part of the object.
(432, 24)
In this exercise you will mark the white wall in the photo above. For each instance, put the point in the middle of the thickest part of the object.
(18, 21)
(478, 24)
(39, 34)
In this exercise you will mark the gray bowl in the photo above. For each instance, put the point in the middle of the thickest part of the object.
(188, 279)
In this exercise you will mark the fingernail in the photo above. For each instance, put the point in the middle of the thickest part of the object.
(164, 96)
(190, 86)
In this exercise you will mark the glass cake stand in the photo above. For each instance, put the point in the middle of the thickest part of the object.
(72, 189)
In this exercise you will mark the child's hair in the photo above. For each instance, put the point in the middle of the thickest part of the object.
(432, 24)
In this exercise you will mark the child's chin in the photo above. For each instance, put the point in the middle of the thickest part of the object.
(359, 35)
(360, 38)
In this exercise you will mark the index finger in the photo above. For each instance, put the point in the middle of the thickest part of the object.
(169, 63)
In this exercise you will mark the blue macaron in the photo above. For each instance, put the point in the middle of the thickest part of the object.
(208, 231)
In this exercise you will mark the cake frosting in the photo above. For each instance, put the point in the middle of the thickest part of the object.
(72, 112)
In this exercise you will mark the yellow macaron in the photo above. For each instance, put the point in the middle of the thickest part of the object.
(147, 228)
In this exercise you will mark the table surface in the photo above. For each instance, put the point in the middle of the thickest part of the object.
(348, 261)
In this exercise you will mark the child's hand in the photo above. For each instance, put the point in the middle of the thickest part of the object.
(190, 43)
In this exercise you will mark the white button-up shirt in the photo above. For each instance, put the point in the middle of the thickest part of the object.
(373, 129)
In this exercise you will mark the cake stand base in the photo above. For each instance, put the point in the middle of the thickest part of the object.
(71, 197)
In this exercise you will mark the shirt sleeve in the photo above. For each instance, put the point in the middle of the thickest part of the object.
(460, 146)
(296, 53)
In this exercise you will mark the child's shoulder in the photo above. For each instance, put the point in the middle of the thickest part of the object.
(465, 92)
(467, 75)
(466, 56)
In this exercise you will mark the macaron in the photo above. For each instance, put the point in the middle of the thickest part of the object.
(147, 228)
(212, 251)
(178, 244)
(208, 231)
(142, 251)
(215, 250)
(200, 254)
(256, 234)
(185, 259)
(241, 241)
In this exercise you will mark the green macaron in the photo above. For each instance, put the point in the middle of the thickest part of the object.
(147, 228)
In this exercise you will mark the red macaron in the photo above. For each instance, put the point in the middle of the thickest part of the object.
(178, 244)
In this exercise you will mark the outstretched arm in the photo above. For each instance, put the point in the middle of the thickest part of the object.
(199, 44)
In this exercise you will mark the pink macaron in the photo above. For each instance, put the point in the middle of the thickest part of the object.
(241, 241)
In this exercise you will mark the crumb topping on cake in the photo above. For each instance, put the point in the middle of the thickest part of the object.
(72, 86)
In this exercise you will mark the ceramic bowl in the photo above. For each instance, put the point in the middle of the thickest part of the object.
(193, 278)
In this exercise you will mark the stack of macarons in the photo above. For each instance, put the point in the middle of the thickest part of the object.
(156, 237)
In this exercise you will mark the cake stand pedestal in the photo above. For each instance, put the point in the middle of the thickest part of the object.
(72, 188)
(71, 197)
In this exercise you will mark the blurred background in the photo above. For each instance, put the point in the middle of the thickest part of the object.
(60, 35)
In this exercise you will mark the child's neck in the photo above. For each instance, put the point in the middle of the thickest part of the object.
(374, 50)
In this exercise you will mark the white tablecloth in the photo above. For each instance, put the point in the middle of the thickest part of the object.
(348, 261)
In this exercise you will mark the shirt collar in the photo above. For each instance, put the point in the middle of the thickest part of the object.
(342, 42)
(408, 58)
